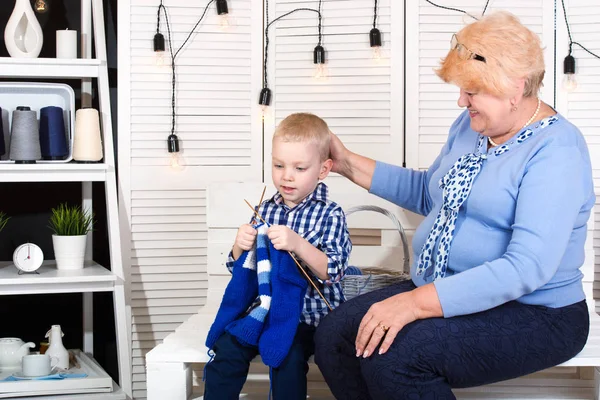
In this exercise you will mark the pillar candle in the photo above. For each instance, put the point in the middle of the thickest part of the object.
(66, 44)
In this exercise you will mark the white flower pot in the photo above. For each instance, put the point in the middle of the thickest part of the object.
(69, 251)
(23, 35)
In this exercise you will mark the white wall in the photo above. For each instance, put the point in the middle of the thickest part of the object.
(222, 135)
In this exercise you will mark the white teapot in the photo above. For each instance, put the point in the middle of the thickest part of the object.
(12, 351)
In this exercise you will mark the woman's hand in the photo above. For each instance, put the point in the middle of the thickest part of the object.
(339, 155)
(386, 318)
(355, 167)
(383, 321)
(283, 238)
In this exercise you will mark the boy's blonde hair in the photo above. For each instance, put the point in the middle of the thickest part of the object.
(305, 127)
(511, 50)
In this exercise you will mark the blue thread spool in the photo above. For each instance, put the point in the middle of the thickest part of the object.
(25, 136)
(2, 146)
(53, 140)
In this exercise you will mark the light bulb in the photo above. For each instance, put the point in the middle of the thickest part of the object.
(159, 58)
(225, 22)
(569, 82)
(376, 53)
(176, 161)
(41, 6)
(321, 72)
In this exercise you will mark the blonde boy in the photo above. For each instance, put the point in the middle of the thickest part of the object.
(304, 221)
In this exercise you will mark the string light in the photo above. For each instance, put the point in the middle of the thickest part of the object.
(176, 162)
(159, 49)
(41, 6)
(375, 37)
(264, 99)
(319, 61)
(569, 81)
(225, 22)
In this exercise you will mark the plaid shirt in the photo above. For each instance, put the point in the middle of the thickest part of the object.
(323, 224)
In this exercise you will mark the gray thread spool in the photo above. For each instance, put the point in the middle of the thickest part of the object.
(25, 136)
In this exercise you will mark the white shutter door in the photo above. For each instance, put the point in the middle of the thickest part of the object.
(581, 106)
(218, 78)
(430, 103)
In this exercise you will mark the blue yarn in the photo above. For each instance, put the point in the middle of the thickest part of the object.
(53, 140)
(2, 145)
(352, 270)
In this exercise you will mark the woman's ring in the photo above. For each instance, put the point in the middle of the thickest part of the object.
(383, 327)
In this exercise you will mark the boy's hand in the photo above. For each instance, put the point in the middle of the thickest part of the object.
(283, 238)
(246, 235)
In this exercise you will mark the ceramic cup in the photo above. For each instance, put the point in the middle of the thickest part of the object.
(36, 365)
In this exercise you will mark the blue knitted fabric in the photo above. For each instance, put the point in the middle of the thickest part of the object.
(239, 294)
(248, 329)
(272, 324)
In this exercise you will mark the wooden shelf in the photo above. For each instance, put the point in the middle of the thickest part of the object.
(92, 278)
(56, 172)
(52, 68)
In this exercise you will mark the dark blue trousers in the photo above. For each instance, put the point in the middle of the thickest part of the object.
(431, 356)
(226, 373)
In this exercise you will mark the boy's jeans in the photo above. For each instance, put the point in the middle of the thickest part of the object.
(226, 373)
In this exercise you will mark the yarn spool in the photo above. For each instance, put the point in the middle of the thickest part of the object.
(87, 146)
(53, 139)
(2, 145)
(5, 129)
(25, 136)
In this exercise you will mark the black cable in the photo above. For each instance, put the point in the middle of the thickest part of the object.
(375, 14)
(571, 42)
(450, 8)
(265, 79)
(174, 55)
(485, 7)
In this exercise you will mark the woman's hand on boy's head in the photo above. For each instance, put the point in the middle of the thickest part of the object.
(283, 238)
(246, 235)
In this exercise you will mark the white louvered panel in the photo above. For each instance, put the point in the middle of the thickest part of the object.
(218, 73)
(430, 103)
(357, 98)
(361, 99)
(582, 105)
(168, 272)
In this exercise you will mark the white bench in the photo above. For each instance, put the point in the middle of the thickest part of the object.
(170, 366)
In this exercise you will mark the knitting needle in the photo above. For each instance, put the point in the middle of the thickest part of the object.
(295, 260)
(262, 196)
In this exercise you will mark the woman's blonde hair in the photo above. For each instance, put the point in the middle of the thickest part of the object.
(511, 52)
(305, 127)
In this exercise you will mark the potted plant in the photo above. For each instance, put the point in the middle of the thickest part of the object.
(3, 220)
(70, 225)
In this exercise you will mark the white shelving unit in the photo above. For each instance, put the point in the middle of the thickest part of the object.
(94, 277)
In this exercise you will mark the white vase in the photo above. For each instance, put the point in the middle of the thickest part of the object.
(69, 251)
(23, 34)
(56, 350)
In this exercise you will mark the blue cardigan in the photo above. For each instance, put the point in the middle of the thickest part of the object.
(520, 235)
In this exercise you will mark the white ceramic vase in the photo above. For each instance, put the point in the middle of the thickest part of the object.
(69, 251)
(56, 350)
(23, 34)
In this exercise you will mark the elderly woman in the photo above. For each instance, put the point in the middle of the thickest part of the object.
(496, 287)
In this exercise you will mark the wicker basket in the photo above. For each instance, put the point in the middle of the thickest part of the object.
(377, 277)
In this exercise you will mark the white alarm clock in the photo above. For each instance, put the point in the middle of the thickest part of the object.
(28, 257)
